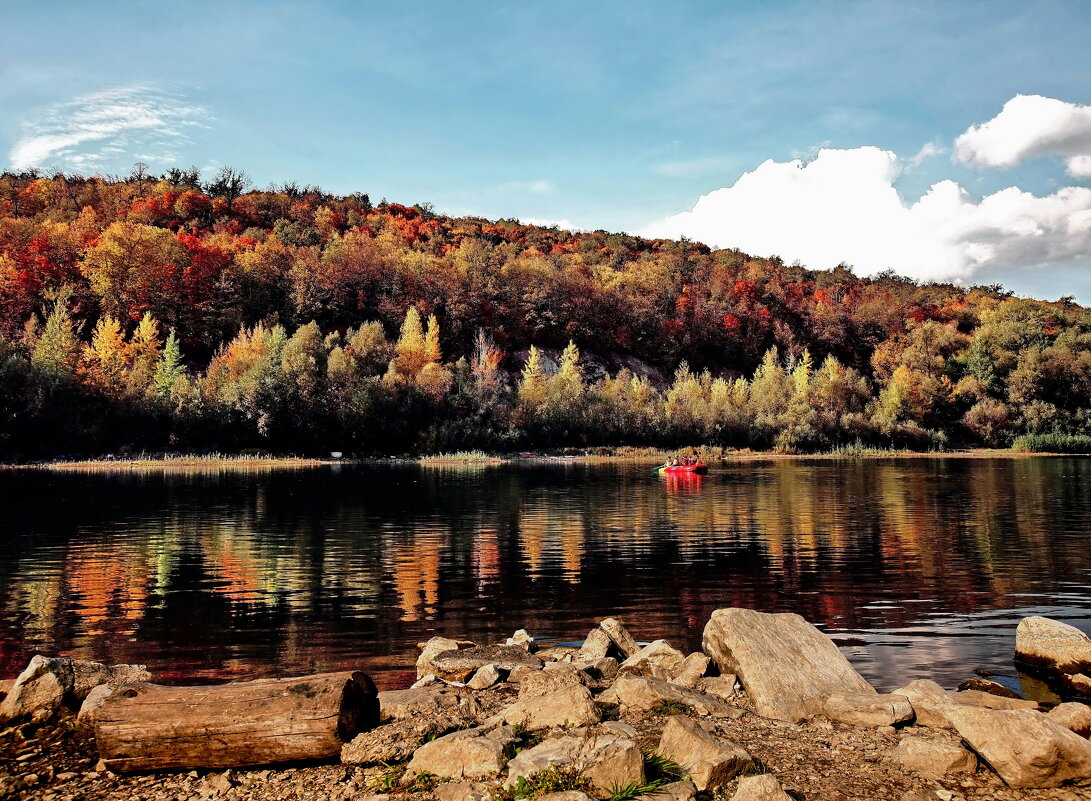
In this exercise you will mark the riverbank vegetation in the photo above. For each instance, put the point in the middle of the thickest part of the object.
(167, 313)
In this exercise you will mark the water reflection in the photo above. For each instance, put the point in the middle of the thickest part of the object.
(924, 565)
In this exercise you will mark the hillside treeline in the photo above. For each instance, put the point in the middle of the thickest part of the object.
(164, 312)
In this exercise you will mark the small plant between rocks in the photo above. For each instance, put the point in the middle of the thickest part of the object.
(554, 779)
(672, 708)
(657, 766)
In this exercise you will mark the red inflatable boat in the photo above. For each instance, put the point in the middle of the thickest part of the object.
(700, 468)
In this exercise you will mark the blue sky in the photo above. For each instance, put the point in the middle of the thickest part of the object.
(613, 115)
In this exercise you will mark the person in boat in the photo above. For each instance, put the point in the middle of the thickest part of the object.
(685, 461)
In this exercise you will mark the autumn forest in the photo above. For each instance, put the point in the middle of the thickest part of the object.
(170, 313)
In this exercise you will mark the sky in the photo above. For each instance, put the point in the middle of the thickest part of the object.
(945, 141)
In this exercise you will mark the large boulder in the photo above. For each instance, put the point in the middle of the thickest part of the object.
(764, 787)
(607, 761)
(646, 694)
(1046, 643)
(934, 758)
(620, 635)
(48, 683)
(1024, 747)
(569, 706)
(1058, 650)
(658, 659)
(460, 664)
(787, 666)
(710, 761)
(459, 755)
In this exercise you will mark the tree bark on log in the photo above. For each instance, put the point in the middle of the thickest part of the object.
(263, 722)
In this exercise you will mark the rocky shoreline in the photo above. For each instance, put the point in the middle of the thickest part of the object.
(770, 710)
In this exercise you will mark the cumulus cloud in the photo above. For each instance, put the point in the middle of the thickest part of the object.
(94, 130)
(1029, 126)
(843, 207)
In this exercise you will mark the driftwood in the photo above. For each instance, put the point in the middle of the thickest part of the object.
(154, 727)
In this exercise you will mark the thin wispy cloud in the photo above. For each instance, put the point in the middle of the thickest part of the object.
(1027, 127)
(109, 128)
(692, 167)
(540, 186)
(927, 151)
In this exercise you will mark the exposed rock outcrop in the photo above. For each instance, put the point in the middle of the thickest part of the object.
(711, 761)
(459, 664)
(620, 636)
(645, 693)
(569, 706)
(1073, 716)
(869, 709)
(1024, 747)
(48, 683)
(606, 761)
(760, 788)
(459, 755)
(658, 659)
(934, 757)
(787, 666)
(1057, 650)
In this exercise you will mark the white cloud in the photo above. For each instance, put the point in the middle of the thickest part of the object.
(843, 206)
(540, 186)
(682, 169)
(104, 128)
(1030, 126)
(927, 151)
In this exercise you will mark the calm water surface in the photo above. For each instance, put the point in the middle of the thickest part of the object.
(917, 567)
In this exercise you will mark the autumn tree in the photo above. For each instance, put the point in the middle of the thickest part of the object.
(135, 269)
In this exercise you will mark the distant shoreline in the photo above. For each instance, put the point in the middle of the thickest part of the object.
(646, 456)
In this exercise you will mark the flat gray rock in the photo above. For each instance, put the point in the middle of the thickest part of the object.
(460, 664)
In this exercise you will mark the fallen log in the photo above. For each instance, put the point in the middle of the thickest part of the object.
(263, 722)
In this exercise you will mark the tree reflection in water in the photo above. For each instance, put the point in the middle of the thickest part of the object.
(927, 563)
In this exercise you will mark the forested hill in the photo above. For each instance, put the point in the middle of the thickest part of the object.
(163, 312)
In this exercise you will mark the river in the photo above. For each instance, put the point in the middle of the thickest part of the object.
(917, 567)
